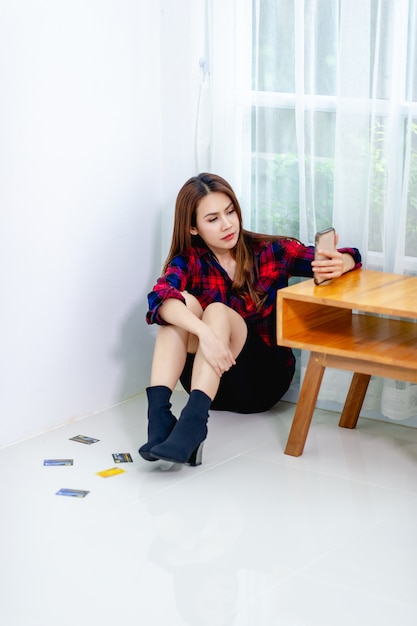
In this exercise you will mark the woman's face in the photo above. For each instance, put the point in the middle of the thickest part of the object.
(217, 223)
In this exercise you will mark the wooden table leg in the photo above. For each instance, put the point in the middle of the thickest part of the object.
(354, 400)
(306, 404)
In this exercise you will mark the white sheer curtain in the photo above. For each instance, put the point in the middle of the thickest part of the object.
(314, 121)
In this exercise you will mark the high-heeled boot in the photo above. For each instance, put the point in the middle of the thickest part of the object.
(160, 419)
(185, 443)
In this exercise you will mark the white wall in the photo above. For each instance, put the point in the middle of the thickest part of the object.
(85, 173)
(182, 47)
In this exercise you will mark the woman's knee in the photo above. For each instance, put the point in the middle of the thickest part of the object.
(217, 310)
(226, 320)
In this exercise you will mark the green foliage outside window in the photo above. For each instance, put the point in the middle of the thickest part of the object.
(278, 211)
(276, 193)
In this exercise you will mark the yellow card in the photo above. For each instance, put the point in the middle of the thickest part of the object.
(111, 472)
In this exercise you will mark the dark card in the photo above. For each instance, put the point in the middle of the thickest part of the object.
(122, 457)
(84, 439)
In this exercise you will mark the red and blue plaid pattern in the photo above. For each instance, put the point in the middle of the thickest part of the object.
(198, 273)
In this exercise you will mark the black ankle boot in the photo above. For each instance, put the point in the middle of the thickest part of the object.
(160, 419)
(185, 443)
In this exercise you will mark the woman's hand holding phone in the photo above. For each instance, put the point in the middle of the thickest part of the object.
(328, 261)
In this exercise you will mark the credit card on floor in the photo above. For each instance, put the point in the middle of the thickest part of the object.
(122, 457)
(58, 462)
(73, 493)
(84, 439)
(113, 471)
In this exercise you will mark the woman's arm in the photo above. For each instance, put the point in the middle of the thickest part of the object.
(176, 313)
(299, 260)
(170, 286)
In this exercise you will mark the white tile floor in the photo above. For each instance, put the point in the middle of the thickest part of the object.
(250, 538)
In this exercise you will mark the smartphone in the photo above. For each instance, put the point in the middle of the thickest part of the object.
(324, 240)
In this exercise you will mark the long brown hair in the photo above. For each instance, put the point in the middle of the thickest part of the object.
(186, 205)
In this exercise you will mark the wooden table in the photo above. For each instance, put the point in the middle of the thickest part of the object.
(344, 324)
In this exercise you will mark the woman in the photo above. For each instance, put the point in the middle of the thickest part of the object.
(216, 309)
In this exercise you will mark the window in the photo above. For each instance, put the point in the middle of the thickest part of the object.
(334, 123)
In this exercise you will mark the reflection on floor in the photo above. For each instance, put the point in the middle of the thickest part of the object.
(252, 537)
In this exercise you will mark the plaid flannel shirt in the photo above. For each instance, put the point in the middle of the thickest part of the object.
(198, 273)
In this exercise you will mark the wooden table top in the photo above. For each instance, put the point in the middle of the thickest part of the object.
(365, 290)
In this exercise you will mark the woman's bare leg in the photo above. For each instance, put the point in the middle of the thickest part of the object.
(170, 352)
(185, 441)
(231, 328)
(171, 347)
